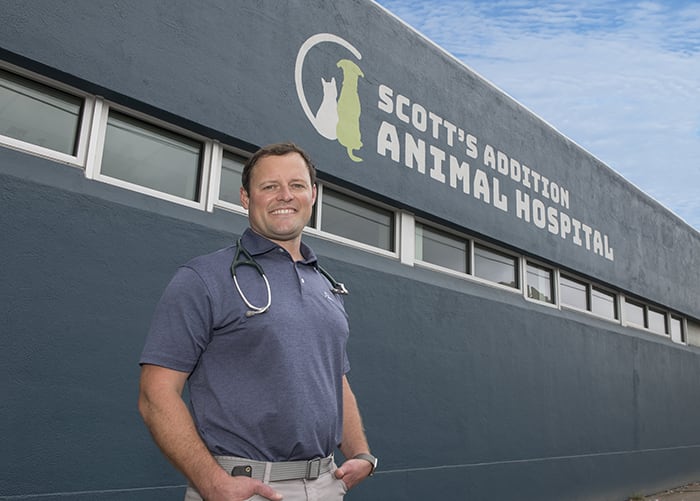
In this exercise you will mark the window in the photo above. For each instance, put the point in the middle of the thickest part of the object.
(676, 328)
(145, 155)
(584, 296)
(634, 313)
(351, 218)
(573, 293)
(231, 171)
(657, 321)
(495, 266)
(603, 303)
(39, 115)
(441, 248)
(540, 285)
(693, 333)
(641, 315)
(126, 151)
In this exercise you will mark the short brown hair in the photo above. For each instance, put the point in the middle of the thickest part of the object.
(277, 149)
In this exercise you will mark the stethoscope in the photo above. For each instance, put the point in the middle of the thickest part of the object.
(247, 260)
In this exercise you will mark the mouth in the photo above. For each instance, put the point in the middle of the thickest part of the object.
(283, 212)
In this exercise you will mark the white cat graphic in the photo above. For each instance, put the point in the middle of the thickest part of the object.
(326, 119)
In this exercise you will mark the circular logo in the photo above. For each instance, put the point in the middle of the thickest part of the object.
(338, 116)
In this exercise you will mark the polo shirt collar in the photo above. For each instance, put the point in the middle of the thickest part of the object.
(257, 245)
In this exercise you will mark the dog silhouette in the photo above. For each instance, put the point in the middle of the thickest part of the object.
(349, 109)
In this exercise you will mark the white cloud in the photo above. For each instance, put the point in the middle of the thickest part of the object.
(622, 79)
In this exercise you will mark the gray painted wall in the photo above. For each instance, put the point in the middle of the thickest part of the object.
(228, 70)
(467, 391)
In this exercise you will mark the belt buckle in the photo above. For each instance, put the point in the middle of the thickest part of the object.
(313, 469)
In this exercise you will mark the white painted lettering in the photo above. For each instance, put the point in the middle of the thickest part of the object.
(526, 176)
(515, 173)
(553, 226)
(385, 102)
(500, 201)
(565, 223)
(489, 157)
(538, 213)
(587, 232)
(577, 231)
(609, 253)
(414, 152)
(502, 163)
(438, 158)
(419, 117)
(451, 129)
(522, 205)
(401, 102)
(472, 150)
(388, 140)
(459, 171)
(597, 243)
(436, 120)
(481, 186)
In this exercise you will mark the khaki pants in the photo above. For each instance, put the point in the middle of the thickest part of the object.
(325, 488)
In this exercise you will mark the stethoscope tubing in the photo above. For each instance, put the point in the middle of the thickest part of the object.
(336, 287)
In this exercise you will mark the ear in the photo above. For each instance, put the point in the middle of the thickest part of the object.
(314, 192)
(244, 197)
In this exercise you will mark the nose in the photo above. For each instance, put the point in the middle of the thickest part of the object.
(284, 193)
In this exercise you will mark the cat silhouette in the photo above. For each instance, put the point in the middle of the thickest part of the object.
(349, 109)
(326, 119)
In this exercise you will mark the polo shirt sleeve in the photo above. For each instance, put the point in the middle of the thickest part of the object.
(181, 325)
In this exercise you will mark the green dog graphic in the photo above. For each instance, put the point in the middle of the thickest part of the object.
(348, 128)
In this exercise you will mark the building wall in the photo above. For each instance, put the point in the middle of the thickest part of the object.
(466, 391)
(230, 72)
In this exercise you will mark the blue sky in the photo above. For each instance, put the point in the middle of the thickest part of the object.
(619, 78)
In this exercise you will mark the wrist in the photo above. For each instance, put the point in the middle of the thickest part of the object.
(373, 461)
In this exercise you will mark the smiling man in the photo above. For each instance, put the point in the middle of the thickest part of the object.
(259, 334)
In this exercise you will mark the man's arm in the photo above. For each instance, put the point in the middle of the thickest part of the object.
(171, 425)
(352, 471)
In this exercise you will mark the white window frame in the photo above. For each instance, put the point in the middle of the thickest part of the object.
(88, 155)
(77, 160)
(96, 150)
(214, 191)
(683, 339)
(554, 282)
(347, 241)
(437, 267)
(497, 250)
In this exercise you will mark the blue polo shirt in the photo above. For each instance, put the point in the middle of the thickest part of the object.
(266, 387)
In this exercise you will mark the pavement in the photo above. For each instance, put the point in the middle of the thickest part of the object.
(690, 492)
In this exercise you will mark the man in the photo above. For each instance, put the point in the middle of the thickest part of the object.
(268, 388)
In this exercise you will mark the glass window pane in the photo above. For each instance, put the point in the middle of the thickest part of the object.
(573, 293)
(539, 283)
(356, 220)
(231, 170)
(38, 114)
(693, 333)
(603, 303)
(677, 329)
(657, 321)
(634, 313)
(443, 249)
(495, 267)
(152, 157)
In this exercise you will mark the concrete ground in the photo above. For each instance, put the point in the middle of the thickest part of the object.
(690, 492)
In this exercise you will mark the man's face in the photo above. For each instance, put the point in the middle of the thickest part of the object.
(281, 197)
